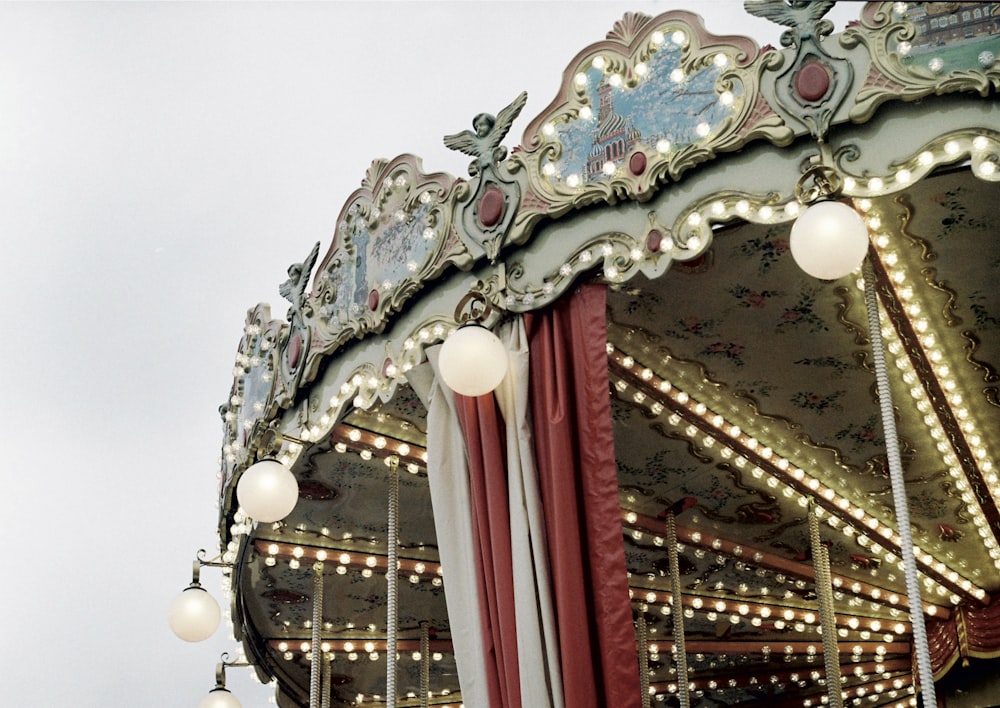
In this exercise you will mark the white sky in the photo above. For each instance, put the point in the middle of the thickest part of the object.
(160, 167)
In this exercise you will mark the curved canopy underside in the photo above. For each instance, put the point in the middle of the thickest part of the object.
(742, 396)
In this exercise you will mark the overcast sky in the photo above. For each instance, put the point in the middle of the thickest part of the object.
(160, 167)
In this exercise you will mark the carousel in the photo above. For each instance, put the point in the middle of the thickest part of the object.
(690, 399)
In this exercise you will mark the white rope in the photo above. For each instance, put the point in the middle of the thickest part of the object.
(924, 670)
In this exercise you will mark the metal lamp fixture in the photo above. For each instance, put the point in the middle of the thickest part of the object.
(267, 491)
(473, 360)
(195, 615)
(220, 696)
(829, 239)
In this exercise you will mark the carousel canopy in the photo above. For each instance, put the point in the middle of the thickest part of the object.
(686, 471)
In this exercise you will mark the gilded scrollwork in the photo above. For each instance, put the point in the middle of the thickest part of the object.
(911, 60)
(393, 235)
(972, 343)
(252, 400)
(687, 94)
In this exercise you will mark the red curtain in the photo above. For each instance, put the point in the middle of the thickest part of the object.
(485, 442)
(575, 456)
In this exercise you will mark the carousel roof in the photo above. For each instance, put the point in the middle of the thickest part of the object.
(742, 389)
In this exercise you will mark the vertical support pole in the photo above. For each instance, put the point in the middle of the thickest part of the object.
(327, 670)
(678, 612)
(640, 624)
(425, 663)
(316, 663)
(824, 593)
(392, 580)
(924, 671)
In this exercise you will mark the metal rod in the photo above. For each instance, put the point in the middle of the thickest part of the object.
(392, 578)
(678, 613)
(924, 671)
(827, 619)
(425, 663)
(316, 665)
(640, 624)
(327, 670)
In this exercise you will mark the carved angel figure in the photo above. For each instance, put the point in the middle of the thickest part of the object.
(294, 289)
(800, 15)
(483, 142)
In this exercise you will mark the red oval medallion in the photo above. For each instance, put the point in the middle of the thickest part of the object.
(653, 240)
(294, 351)
(373, 300)
(812, 81)
(490, 207)
(637, 163)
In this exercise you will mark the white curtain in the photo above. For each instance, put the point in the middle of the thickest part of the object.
(537, 644)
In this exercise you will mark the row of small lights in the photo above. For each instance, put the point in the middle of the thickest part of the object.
(795, 477)
(796, 618)
(366, 564)
(355, 649)
(888, 672)
(732, 206)
(930, 352)
(703, 541)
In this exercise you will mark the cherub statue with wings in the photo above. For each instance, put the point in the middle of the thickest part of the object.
(483, 142)
(294, 289)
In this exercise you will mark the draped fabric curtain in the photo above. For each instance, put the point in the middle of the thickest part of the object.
(534, 466)
(508, 525)
(448, 479)
(575, 455)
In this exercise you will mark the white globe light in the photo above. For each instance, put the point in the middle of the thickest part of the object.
(194, 615)
(473, 361)
(829, 240)
(267, 491)
(219, 698)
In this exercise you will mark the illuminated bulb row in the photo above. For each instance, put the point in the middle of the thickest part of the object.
(884, 682)
(375, 699)
(736, 207)
(369, 445)
(350, 649)
(936, 359)
(415, 570)
(780, 616)
(739, 207)
(703, 541)
(945, 150)
(856, 518)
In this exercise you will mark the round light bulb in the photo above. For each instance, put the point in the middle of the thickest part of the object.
(267, 491)
(829, 240)
(219, 698)
(473, 361)
(194, 615)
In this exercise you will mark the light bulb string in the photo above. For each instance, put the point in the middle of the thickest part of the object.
(924, 669)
